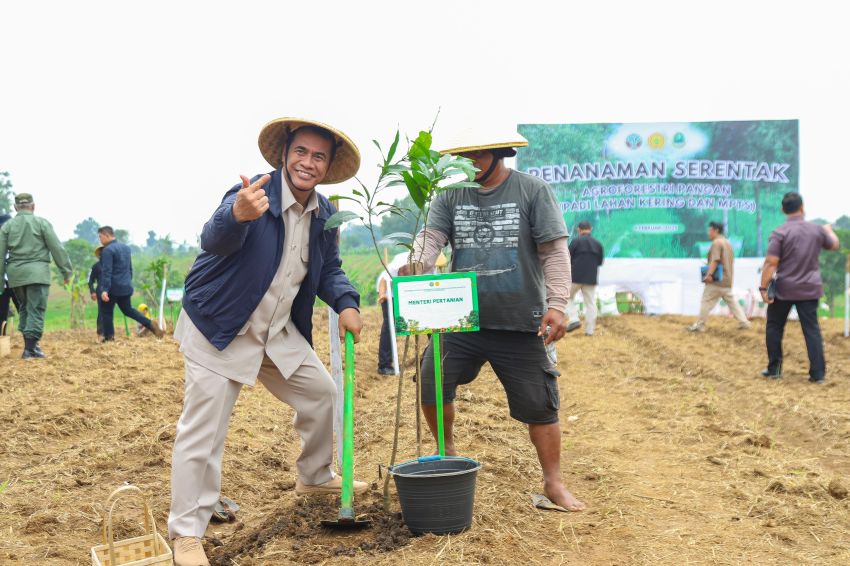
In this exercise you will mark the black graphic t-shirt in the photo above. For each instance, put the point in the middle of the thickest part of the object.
(495, 234)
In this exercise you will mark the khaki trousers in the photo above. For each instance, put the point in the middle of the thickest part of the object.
(202, 428)
(588, 293)
(711, 295)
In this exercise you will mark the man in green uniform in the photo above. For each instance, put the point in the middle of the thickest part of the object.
(30, 242)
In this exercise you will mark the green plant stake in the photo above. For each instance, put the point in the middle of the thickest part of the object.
(346, 518)
(438, 386)
(126, 327)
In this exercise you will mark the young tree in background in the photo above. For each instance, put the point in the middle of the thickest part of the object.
(87, 230)
(843, 223)
(832, 268)
(5, 193)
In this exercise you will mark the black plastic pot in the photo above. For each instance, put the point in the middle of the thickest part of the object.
(436, 494)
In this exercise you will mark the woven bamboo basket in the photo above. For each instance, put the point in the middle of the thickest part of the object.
(149, 549)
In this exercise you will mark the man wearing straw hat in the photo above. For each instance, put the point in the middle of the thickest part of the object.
(30, 242)
(510, 231)
(247, 314)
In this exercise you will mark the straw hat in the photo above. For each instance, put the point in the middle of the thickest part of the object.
(345, 164)
(480, 138)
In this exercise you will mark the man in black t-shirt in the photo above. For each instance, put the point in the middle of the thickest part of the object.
(586, 255)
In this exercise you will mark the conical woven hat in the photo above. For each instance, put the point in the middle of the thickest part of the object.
(273, 136)
(477, 139)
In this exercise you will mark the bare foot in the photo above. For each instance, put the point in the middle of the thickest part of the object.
(559, 495)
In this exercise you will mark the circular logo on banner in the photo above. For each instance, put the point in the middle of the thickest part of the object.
(656, 140)
(634, 141)
(679, 140)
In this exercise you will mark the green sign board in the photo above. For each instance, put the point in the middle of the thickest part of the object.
(431, 304)
(650, 189)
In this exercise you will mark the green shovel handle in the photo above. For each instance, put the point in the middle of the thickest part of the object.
(347, 495)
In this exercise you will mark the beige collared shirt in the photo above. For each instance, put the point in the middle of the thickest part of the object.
(270, 330)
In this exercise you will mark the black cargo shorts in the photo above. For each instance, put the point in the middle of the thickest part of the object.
(518, 359)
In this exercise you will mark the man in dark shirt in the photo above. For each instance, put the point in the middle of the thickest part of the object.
(792, 256)
(116, 284)
(586, 255)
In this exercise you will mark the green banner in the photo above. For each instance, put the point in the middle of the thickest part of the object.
(650, 189)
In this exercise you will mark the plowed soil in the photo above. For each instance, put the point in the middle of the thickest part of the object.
(681, 452)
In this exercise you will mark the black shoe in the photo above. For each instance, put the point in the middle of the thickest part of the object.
(28, 354)
(817, 381)
(573, 326)
(770, 375)
(386, 371)
(37, 350)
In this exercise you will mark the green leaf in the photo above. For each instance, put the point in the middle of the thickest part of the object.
(399, 236)
(393, 147)
(339, 218)
(421, 178)
(379, 149)
(414, 190)
(390, 242)
(365, 188)
(421, 148)
(340, 197)
(356, 192)
(442, 163)
(396, 169)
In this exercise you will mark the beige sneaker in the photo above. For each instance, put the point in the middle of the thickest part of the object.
(744, 325)
(696, 327)
(157, 331)
(188, 551)
(333, 486)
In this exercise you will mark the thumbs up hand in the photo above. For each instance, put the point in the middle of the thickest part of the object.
(251, 200)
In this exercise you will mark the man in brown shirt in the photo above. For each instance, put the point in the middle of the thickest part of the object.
(719, 286)
(792, 256)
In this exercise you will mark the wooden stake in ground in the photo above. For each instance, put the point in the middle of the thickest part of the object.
(397, 423)
(336, 373)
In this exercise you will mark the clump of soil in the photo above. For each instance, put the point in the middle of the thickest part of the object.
(762, 441)
(297, 534)
(837, 489)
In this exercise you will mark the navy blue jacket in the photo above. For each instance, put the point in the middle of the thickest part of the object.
(238, 263)
(116, 276)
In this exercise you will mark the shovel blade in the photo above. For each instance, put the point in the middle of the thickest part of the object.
(343, 524)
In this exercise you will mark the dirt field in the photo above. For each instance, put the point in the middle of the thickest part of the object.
(683, 455)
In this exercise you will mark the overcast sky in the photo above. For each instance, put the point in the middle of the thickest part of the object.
(142, 117)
